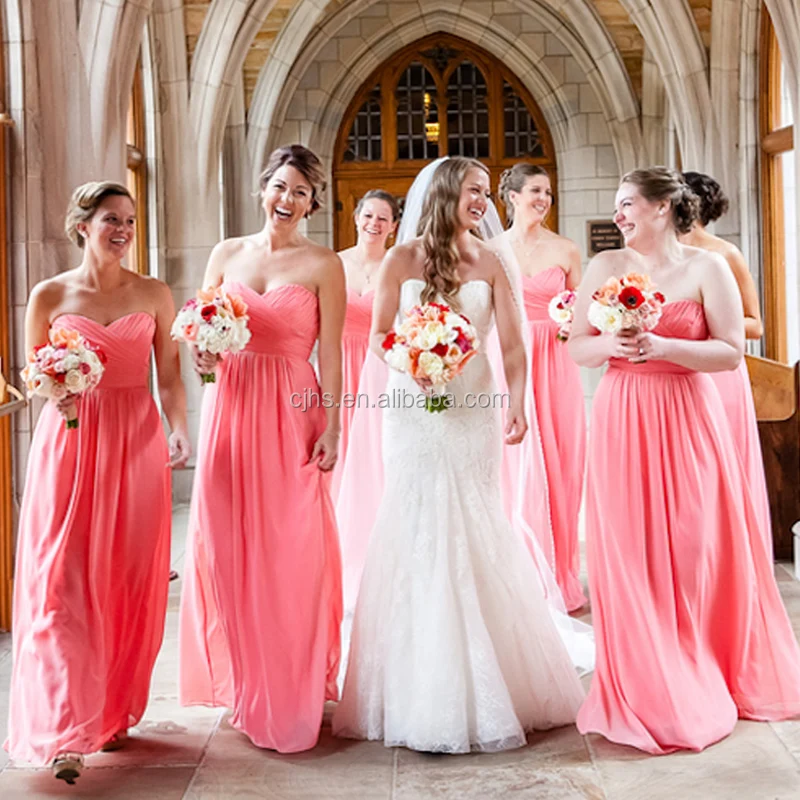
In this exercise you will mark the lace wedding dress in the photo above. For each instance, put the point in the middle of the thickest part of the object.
(453, 645)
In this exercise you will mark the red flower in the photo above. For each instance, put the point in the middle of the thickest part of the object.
(85, 368)
(38, 347)
(208, 311)
(464, 344)
(660, 297)
(60, 377)
(440, 350)
(388, 342)
(631, 297)
(102, 357)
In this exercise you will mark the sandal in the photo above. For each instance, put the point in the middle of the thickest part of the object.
(67, 767)
(116, 742)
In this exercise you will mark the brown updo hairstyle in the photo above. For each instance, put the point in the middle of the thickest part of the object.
(713, 201)
(85, 201)
(380, 194)
(513, 180)
(438, 228)
(662, 183)
(305, 162)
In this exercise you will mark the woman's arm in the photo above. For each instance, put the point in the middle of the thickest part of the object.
(753, 326)
(387, 296)
(515, 367)
(204, 363)
(332, 307)
(573, 267)
(44, 298)
(168, 370)
(723, 311)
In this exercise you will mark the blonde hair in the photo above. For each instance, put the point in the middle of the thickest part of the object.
(438, 227)
(85, 201)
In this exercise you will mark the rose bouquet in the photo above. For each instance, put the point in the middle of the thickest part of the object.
(433, 345)
(214, 322)
(561, 310)
(68, 365)
(630, 302)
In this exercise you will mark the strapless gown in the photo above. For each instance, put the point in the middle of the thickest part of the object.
(737, 398)
(691, 631)
(90, 590)
(261, 604)
(355, 344)
(453, 645)
(558, 396)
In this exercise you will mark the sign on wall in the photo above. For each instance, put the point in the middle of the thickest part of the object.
(602, 235)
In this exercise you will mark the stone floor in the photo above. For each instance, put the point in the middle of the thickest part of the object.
(193, 753)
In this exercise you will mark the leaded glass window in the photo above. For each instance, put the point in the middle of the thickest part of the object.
(521, 135)
(467, 112)
(417, 114)
(364, 141)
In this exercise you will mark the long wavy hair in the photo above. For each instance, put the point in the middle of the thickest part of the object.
(438, 226)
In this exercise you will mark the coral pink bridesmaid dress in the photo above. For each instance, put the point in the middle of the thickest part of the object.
(355, 344)
(361, 488)
(737, 398)
(90, 593)
(558, 395)
(261, 605)
(690, 628)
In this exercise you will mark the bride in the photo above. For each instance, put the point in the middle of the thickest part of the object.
(453, 646)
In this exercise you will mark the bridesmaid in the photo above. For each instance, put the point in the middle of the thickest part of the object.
(261, 607)
(691, 632)
(90, 593)
(376, 217)
(734, 385)
(549, 263)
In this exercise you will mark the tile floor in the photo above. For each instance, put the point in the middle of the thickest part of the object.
(193, 753)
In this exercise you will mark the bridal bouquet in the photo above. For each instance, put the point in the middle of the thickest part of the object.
(69, 365)
(561, 311)
(433, 345)
(629, 302)
(214, 322)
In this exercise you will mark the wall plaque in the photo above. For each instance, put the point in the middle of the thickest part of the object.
(603, 235)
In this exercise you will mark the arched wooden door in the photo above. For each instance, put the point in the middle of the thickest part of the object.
(439, 96)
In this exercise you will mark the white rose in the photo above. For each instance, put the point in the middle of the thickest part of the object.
(559, 315)
(72, 362)
(74, 381)
(42, 385)
(397, 358)
(431, 366)
(605, 318)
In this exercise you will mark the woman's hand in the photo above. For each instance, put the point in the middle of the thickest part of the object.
(326, 450)
(651, 347)
(179, 450)
(624, 344)
(204, 363)
(516, 426)
(68, 406)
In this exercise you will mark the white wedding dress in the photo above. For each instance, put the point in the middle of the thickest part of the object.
(453, 645)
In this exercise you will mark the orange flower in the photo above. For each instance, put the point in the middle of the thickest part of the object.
(64, 338)
(611, 288)
(238, 306)
(641, 282)
(206, 296)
